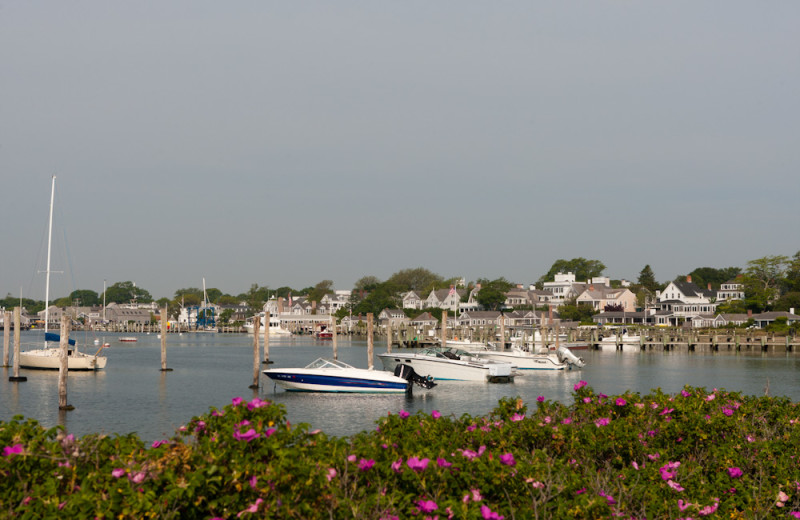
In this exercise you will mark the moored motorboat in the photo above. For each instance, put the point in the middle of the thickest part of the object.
(444, 363)
(544, 359)
(624, 341)
(128, 339)
(330, 375)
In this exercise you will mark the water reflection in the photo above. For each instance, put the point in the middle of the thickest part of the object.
(134, 395)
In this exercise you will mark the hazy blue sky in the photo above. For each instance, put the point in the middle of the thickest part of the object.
(283, 143)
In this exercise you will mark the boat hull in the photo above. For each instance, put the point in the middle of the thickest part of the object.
(50, 359)
(301, 380)
(527, 361)
(447, 370)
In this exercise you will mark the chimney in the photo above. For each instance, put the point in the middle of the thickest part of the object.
(477, 286)
(709, 286)
(791, 310)
(689, 278)
(591, 287)
(280, 305)
(749, 313)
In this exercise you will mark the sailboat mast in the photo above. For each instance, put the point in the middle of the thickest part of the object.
(49, 246)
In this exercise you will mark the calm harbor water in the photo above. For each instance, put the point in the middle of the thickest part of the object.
(133, 395)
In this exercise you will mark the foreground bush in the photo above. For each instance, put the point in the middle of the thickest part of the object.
(696, 454)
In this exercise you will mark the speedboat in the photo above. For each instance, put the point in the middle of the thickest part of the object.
(330, 375)
(275, 327)
(543, 359)
(445, 363)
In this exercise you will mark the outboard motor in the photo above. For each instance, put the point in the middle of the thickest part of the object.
(407, 373)
(567, 356)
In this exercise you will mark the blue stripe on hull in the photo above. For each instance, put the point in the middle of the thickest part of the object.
(347, 384)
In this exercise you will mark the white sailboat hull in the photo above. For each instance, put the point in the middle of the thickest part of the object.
(471, 369)
(50, 359)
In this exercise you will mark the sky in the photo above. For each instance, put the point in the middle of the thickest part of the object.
(285, 143)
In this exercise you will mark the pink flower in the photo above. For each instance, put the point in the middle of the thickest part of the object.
(252, 509)
(488, 514)
(566, 420)
(256, 403)
(236, 401)
(580, 491)
(9, 451)
(708, 510)
(270, 431)
(603, 421)
(734, 472)
(397, 466)
(331, 474)
(620, 401)
(351, 458)
(508, 459)
(247, 436)
(403, 414)
(365, 464)
(580, 385)
(517, 417)
(683, 505)
(476, 495)
(666, 410)
(156, 444)
(443, 463)
(587, 400)
(200, 426)
(117, 473)
(417, 464)
(795, 514)
(635, 465)
(710, 397)
(435, 414)
(727, 411)
(685, 393)
(540, 399)
(608, 498)
(137, 478)
(426, 506)
(253, 481)
(674, 485)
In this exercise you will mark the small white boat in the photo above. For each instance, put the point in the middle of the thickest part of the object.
(128, 339)
(444, 363)
(626, 342)
(275, 328)
(544, 359)
(329, 375)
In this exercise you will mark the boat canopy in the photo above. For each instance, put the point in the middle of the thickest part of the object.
(52, 336)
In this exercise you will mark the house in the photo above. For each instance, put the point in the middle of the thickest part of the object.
(411, 300)
(479, 318)
(684, 301)
(392, 317)
(447, 299)
(599, 296)
(766, 319)
(424, 320)
(333, 302)
(117, 313)
(731, 290)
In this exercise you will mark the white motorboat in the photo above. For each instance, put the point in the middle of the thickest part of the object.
(275, 328)
(466, 344)
(445, 363)
(329, 375)
(543, 359)
(49, 358)
(626, 342)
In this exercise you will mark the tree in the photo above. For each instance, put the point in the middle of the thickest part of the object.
(762, 280)
(790, 300)
(125, 292)
(85, 298)
(418, 279)
(583, 269)
(384, 296)
(647, 279)
(702, 276)
(571, 311)
(792, 274)
(492, 295)
(320, 290)
(366, 284)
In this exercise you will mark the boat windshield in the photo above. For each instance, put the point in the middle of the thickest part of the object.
(327, 363)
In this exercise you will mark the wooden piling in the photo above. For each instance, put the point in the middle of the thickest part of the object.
(17, 318)
(164, 341)
(64, 365)
(6, 337)
(444, 329)
(370, 345)
(267, 315)
(502, 332)
(335, 338)
(256, 334)
(389, 336)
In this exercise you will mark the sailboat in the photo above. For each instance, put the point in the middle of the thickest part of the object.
(49, 358)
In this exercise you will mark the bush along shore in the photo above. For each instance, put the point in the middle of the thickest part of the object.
(699, 453)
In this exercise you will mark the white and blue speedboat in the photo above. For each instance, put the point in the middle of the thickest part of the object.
(329, 375)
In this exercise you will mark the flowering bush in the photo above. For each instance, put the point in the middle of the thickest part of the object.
(690, 455)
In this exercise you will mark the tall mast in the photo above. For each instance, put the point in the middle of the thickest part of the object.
(49, 245)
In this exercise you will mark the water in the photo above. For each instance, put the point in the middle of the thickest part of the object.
(133, 395)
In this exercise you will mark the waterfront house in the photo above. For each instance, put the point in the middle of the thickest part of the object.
(393, 317)
(731, 290)
(447, 299)
(599, 296)
(117, 313)
(411, 300)
(684, 301)
(424, 320)
(479, 318)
